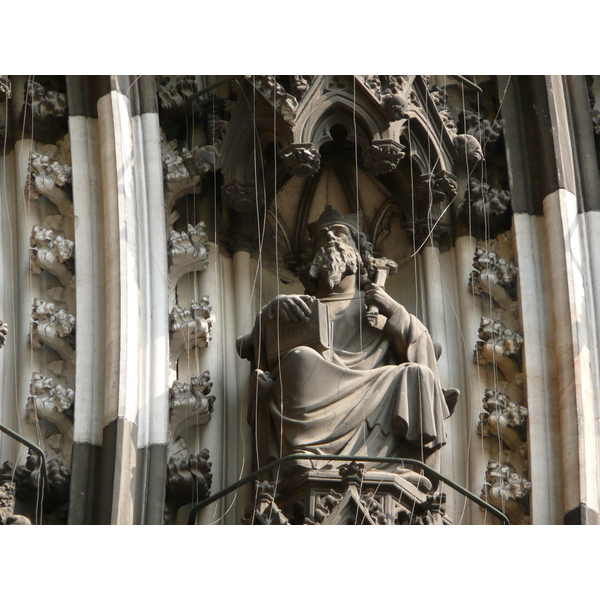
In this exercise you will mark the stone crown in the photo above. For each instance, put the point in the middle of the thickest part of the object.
(330, 216)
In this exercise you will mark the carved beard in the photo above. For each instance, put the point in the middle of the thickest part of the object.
(336, 260)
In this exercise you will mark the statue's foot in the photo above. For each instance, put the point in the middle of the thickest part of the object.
(419, 481)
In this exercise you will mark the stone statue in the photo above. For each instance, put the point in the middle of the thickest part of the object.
(330, 376)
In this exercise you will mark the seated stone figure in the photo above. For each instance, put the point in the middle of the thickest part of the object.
(326, 381)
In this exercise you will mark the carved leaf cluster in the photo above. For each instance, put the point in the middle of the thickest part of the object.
(486, 201)
(504, 418)
(437, 187)
(494, 276)
(440, 98)
(45, 103)
(3, 333)
(188, 251)
(274, 92)
(173, 92)
(507, 490)
(383, 156)
(483, 130)
(301, 160)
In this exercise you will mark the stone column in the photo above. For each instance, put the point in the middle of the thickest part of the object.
(244, 321)
(91, 324)
(470, 316)
(135, 418)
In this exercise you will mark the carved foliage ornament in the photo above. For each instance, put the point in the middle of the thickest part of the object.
(500, 346)
(182, 173)
(440, 98)
(188, 480)
(437, 187)
(486, 201)
(49, 178)
(191, 327)
(51, 402)
(187, 251)
(504, 418)
(483, 130)
(53, 327)
(190, 403)
(242, 197)
(383, 156)
(494, 276)
(52, 252)
(275, 93)
(301, 160)
(173, 92)
(3, 333)
(44, 103)
(506, 490)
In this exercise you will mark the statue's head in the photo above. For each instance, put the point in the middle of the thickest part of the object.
(336, 248)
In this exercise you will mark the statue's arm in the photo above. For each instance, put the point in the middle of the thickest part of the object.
(409, 337)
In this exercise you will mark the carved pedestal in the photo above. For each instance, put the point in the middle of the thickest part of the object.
(348, 496)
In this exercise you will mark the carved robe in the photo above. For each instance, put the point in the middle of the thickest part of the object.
(376, 393)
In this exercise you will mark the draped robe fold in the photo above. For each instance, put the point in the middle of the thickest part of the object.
(377, 394)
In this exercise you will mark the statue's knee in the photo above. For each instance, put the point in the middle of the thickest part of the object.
(417, 370)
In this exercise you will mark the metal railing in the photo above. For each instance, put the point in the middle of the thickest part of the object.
(32, 446)
(359, 459)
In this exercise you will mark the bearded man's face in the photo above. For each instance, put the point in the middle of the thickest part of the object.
(337, 255)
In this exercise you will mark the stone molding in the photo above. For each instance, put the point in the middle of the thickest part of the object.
(274, 92)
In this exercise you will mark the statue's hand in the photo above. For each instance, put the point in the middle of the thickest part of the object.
(375, 295)
(292, 308)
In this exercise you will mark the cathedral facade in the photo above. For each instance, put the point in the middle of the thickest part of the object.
(146, 220)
